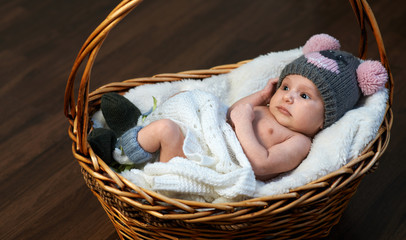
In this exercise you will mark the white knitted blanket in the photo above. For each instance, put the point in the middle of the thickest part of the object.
(216, 166)
(331, 148)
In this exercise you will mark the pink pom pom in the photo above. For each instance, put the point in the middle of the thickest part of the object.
(372, 77)
(320, 42)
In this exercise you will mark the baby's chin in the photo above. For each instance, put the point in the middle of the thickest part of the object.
(308, 132)
(298, 128)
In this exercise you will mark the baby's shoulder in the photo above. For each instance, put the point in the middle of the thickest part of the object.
(299, 140)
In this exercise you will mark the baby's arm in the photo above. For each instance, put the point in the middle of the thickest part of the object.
(260, 98)
(279, 158)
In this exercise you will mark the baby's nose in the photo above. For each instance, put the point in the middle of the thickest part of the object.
(288, 97)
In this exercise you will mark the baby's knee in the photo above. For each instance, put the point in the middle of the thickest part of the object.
(169, 128)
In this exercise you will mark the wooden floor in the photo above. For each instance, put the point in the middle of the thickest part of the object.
(42, 192)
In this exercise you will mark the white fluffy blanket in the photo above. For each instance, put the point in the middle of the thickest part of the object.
(331, 149)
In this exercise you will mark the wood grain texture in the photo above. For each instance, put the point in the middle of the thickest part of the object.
(43, 195)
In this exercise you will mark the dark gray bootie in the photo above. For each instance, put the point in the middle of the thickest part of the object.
(103, 142)
(120, 114)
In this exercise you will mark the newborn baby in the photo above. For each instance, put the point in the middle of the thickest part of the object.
(274, 126)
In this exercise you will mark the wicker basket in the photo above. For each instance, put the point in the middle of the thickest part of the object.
(307, 212)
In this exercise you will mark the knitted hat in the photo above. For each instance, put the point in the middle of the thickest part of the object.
(340, 77)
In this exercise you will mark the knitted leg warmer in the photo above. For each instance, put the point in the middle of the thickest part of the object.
(132, 148)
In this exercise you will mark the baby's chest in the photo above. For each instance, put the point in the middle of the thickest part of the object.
(268, 131)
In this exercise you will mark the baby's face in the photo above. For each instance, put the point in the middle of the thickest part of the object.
(297, 105)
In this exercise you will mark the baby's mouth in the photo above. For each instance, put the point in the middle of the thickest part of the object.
(283, 110)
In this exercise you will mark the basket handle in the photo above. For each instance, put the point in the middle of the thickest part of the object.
(78, 115)
(363, 13)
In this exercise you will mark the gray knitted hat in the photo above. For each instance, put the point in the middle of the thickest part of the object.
(340, 77)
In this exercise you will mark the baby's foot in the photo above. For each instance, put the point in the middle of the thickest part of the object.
(119, 112)
(103, 142)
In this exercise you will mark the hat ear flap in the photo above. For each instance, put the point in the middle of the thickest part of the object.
(372, 77)
(320, 42)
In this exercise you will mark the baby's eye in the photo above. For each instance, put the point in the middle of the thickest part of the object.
(304, 96)
(285, 88)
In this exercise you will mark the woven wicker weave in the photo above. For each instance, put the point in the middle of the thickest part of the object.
(306, 212)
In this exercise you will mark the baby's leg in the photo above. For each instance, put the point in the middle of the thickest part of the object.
(164, 135)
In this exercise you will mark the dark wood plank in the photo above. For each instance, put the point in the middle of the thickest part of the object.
(43, 196)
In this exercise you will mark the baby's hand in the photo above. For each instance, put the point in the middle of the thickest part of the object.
(270, 89)
(242, 114)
